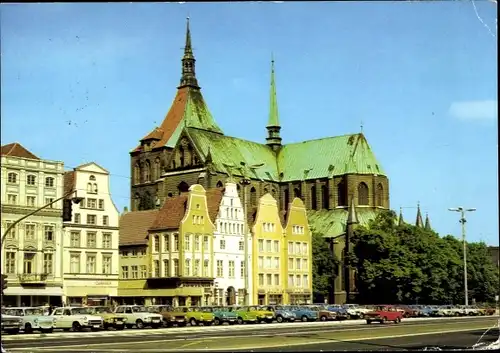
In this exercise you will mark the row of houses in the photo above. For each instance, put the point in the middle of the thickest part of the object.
(202, 247)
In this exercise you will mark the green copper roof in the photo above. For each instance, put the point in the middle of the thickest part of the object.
(332, 223)
(273, 107)
(228, 152)
(327, 157)
(197, 114)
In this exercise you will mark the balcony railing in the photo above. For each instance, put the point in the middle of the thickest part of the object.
(32, 277)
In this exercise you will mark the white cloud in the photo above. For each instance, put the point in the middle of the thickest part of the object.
(474, 110)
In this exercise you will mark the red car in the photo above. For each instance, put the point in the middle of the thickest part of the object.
(383, 314)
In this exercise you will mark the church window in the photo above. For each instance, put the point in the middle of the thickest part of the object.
(219, 184)
(380, 195)
(147, 171)
(296, 192)
(182, 156)
(325, 197)
(141, 171)
(137, 174)
(253, 197)
(286, 195)
(265, 191)
(273, 192)
(362, 194)
(183, 187)
(341, 194)
(314, 200)
(157, 169)
(170, 194)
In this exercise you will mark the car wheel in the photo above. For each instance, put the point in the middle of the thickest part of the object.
(216, 322)
(28, 328)
(361, 316)
(76, 326)
(398, 320)
(304, 318)
(240, 321)
(193, 322)
(323, 318)
(139, 324)
(279, 318)
(368, 322)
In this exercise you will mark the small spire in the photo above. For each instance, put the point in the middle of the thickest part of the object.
(419, 222)
(352, 217)
(427, 222)
(273, 124)
(401, 220)
(188, 62)
(361, 126)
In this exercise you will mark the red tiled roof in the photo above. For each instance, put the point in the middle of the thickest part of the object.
(156, 134)
(17, 150)
(69, 181)
(214, 197)
(134, 227)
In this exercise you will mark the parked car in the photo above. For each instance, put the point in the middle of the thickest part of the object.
(11, 324)
(470, 310)
(76, 318)
(263, 314)
(171, 316)
(139, 316)
(222, 315)
(323, 313)
(33, 319)
(339, 311)
(110, 318)
(197, 315)
(303, 313)
(383, 314)
(281, 313)
(408, 311)
(355, 310)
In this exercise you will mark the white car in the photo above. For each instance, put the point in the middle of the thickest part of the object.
(33, 319)
(76, 318)
(10, 323)
(139, 316)
(356, 311)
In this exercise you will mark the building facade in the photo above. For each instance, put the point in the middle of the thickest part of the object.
(91, 239)
(31, 254)
(233, 285)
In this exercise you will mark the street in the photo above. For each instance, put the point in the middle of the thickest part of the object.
(451, 333)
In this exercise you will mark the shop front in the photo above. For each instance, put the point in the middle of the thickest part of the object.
(32, 296)
(90, 292)
(299, 297)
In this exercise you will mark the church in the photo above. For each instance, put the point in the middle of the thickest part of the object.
(338, 178)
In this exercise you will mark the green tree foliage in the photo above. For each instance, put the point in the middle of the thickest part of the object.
(324, 265)
(408, 264)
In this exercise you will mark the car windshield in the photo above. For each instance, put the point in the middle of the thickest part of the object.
(81, 311)
(13, 312)
(102, 310)
(139, 309)
(34, 311)
(312, 308)
(253, 308)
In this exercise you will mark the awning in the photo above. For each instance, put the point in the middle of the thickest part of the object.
(43, 291)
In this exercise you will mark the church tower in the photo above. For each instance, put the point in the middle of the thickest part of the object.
(273, 139)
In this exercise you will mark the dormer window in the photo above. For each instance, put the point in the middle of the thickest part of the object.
(92, 178)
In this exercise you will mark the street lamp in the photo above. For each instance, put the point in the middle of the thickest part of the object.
(462, 221)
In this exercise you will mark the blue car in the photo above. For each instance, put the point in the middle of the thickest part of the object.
(302, 313)
(340, 312)
(281, 313)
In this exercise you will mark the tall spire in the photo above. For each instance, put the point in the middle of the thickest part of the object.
(427, 222)
(401, 220)
(273, 125)
(352, 217)
(419, 222)
(188, 78)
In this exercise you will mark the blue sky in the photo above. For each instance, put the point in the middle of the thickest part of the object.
(84, 82)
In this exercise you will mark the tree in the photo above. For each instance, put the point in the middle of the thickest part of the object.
(323, 267)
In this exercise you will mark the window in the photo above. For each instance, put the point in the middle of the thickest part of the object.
(205, 243)
(305, 280)
(124, 272)
(297, 248)
(176, 242)
(290, 264)
(304, 264)
(261, 262)
(101, 204)
(205, 268)
(276, 280)
(297, 264)
(166, 243)
(75, 239)
(77, 218)
(134, 271)
(92, 178)
(242, 269)
(231, 268)
(75, 263)
(156, 268)
(196, 269)
(187, 267)
(156, 243)
(362, 194)
(31, 201)
(268, 245)
(269, 279)
(241, 245)
(220, 268)
(92, 203)
(187, 242)
(304, 248)
(261, 245)
(268, 262)
(49, 233)
(91, 240)
(166, 269)
(106, 240)
(106, 264)
(49, 182)
(12, 232)
(222, 244)
(10, 263)
(91, 219)
(197, 243)
(176, 268)
(29, 232)
(49, 200)
(31, 180)
(144, 271)
(276, 263)
(380, 195)
(290, 247)
(290, 281)
(12, 178)
(47, 264)
(276, 246)
(91, 263)
(297, 281)
(261, 279)
(105, 220)
(12, 199)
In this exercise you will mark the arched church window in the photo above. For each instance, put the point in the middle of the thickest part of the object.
(219, 184)
(314, 200)
(286, 194)
(380, 195)
(296, 192)
(362, 194)
(147, 171)
(325, 197)
(253, 197)
(183, 187)
(341, 194)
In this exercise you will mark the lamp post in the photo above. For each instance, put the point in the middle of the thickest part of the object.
(462, 221)
(244, 183)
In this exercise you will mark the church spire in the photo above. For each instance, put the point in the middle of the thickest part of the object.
(188, 78)
(419, 222)
(401, 220)
(273, 125)
(352, 217)
(427, 222)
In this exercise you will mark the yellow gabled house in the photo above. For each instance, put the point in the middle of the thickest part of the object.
(278, 241)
